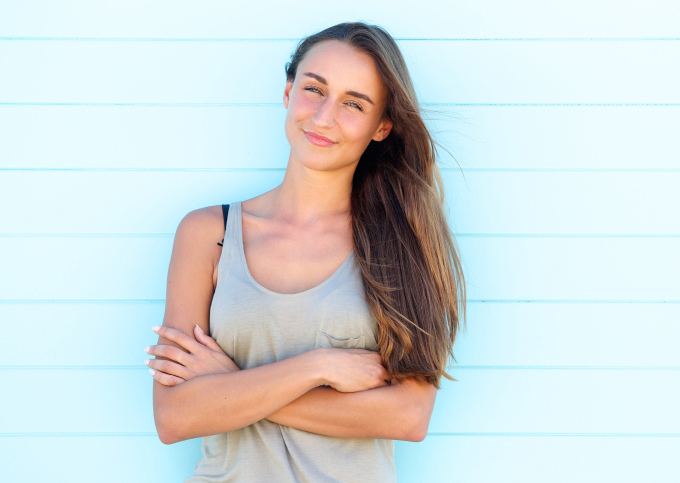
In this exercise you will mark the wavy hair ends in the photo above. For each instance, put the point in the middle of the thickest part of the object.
(408, 256)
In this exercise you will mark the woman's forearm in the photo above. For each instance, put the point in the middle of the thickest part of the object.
(400, 411)
(218, 403)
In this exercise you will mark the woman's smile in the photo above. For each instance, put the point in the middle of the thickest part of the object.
(318, 139)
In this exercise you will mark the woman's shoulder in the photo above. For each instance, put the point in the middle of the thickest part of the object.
(205, 214)
(202, 225)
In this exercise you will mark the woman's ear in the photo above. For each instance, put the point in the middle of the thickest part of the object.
(383, 130)
(286, 93)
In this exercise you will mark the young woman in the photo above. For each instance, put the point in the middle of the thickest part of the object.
(333, 302)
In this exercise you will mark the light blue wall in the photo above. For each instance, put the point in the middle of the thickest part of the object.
(117, 118)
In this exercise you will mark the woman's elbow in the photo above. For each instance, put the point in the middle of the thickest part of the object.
(163, 428)
(414, 423)
(165, 437)
(417, 431)
(163, 416)
(419, 415)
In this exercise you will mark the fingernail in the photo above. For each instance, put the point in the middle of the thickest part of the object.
(147, 349)
(146, 362)
(200, 329)
(155, 328)
(152, 372)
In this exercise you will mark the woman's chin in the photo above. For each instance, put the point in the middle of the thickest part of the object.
(317, 164)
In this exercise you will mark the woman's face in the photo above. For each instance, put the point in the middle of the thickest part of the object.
(338, 94)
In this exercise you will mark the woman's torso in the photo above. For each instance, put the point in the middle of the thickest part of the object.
(256, 326)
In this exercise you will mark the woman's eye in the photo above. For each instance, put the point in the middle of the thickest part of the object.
(315, 89)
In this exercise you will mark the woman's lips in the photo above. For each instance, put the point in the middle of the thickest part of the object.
(318, 140)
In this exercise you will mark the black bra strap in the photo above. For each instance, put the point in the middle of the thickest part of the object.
(225, 213)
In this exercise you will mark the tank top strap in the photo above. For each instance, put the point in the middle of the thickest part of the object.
(225, 214)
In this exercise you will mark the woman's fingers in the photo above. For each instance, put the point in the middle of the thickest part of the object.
(169, 351)
(175, 335)
(165, 379)
(168, 368)
(205, 356)
(206, 340)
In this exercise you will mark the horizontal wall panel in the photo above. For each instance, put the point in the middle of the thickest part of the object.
(504, 202)
(520, 459)
(463, 19)
(119, 202)
(544, 72)
(525, 334)
(56, 268)
(482, 400)
(572, 268)
(80, 400)
(509, 334)
(465, 459)
(505, 268)
(253, 71)
(564, 202)
(143, 137)
(78, 333)
(113, 459)
(554, 137)
(166, 137)
(559, 401)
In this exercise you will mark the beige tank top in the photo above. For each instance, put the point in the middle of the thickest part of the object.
(256, 326)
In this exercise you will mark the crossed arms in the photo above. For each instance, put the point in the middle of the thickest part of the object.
(290, 392)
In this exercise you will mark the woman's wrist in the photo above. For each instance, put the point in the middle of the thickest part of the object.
(317, 361)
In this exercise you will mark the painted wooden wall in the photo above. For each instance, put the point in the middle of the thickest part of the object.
(117, 118)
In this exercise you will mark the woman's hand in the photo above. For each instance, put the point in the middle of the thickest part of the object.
(352, 370)
(204, 357)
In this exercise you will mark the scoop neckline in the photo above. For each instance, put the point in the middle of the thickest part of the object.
(239, 230)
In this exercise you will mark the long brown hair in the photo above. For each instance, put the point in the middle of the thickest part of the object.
(408, 256)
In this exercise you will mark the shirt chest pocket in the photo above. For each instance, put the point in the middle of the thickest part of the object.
(323, 339)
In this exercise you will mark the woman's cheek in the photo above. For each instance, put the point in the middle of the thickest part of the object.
(306, 106)
(356, 131)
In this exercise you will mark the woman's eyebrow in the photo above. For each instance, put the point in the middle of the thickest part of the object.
(351, 93)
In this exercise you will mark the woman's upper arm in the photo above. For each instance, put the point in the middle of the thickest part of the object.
(189, 285)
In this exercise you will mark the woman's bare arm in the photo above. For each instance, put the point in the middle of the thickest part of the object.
(217, 403)
(400, 411)
(233, 403)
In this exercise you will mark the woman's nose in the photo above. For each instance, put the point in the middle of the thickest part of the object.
(325, 114)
